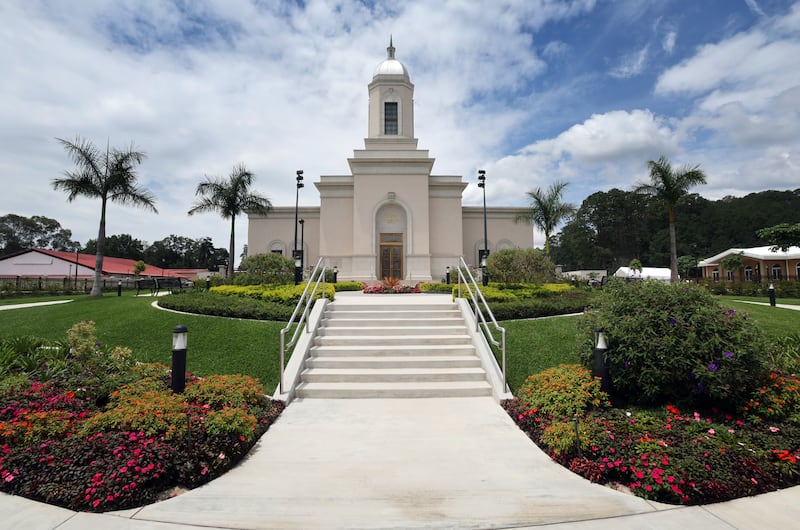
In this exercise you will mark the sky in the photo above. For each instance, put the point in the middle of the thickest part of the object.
(531, 91)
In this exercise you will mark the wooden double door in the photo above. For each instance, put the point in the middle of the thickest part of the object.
(391, 255)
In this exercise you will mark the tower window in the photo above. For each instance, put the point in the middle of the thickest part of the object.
(390, 117)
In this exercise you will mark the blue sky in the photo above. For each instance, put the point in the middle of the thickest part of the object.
(532, 91)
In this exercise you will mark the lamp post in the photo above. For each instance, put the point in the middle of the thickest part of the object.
(298, 271)
(485, 253)
(302, 246)
(335, 273)
(447, 274)
(179, 340)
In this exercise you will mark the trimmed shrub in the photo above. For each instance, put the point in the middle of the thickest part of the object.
(570, 302)
(562, 391)
(674, 344)
(226, 390)
(347, 286)
(211, 303)
(265, 269)
(520, 265)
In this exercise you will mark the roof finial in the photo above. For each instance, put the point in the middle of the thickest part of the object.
(390, 49)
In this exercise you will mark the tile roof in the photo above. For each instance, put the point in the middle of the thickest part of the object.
(112, 266)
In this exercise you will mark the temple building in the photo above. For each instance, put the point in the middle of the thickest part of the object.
(390, 217)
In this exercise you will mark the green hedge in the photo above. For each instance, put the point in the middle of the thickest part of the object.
(348, 286)
(205, 303)
(280, 294)
(783, 288)
(564, 304)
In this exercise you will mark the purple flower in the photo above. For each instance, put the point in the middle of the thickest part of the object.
(728, 354)
(712, 367)
(627, 363)
(672, 321)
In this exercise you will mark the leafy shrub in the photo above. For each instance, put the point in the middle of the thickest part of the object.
(674, 343)
(437, 287)
(520, 265)
(562, 391)
(569, 302)
(347, 286)
(283, 294)
(225, 390)
(777, 399)
(231, 421)
(560, 437)
(265, 269)
(784, 353)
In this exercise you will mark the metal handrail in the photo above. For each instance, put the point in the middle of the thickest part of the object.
(307, 299)
(476, 298)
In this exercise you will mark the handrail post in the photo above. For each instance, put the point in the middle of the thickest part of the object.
(280, 383)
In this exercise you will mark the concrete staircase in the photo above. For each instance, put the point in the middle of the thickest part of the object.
(392, 348)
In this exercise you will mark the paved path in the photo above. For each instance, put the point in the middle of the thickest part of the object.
(32, 304)
(782, 306)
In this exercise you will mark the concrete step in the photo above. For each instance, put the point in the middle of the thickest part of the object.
(395, 314)
(349, 306)
(393, 340)
(349, 350)
(409, 361)
(407, 322)
(384, 331)
(391, 375)
(393, 390)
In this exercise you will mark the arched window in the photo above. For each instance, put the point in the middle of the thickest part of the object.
(277, 247)
(715, 275)
(748, 273)
(729, 275)
(776, 272)
(390, 118)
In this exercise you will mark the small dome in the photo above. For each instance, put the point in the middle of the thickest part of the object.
(390, 65)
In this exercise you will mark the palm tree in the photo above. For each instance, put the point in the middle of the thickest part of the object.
(670, 186)
(109, 176)
(230, 197)
(547, 211)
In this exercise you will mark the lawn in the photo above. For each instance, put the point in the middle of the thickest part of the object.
(216, 345)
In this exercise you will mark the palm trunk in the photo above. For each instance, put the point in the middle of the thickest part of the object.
(97, 288)
(231, 247)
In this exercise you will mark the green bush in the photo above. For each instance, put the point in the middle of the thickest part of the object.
(674, 344)
(226, 390)
(347, 286)
(437, 287)
(265, 269)
(783, 289)
(520, 265)
(211, 303)
(562, 391)
(569, 302)
(282, 294)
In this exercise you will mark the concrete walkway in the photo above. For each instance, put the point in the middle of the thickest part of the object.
(782, 306)
(410, 464)
(32, 304)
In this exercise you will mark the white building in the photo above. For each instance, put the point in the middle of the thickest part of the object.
(390, 217)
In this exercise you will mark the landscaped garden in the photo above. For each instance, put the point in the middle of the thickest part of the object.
(703, 405)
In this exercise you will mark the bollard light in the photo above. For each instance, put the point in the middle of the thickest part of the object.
(772, 294)
(335, 273)
(119, 287)
(179, 340)
(447, 274)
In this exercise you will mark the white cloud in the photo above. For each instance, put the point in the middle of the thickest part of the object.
(754, 7)
(668, 42)
(631, 65)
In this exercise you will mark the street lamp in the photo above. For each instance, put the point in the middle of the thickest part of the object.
(484, 254)
(302, 245)
(298, 271)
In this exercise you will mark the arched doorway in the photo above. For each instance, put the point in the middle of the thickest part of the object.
(391, 230)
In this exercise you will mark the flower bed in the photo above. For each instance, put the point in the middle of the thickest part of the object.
(391, 286)
(65, 442)
(664, 453)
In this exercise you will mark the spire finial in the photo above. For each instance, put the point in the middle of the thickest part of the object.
(390, 49)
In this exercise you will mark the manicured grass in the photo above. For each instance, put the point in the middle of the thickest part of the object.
(773, 321)
(535, 345)
(216, 345)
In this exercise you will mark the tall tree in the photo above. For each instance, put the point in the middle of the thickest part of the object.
(230, 198)
(108, 176)
(781, 236)
(670, 186)
(118, 246)
(21, 233)
(547, 211)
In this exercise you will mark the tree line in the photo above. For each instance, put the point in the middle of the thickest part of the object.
(611, 228)
(18, 232)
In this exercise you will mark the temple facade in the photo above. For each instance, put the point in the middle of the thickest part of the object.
(390, 217)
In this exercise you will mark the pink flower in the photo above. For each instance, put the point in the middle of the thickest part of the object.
(774, 429)
(712, 432)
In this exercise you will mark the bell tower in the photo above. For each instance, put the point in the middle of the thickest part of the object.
(391, 99)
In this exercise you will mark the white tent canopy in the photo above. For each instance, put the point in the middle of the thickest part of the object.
(647, 273)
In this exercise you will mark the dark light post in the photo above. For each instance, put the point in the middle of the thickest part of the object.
(600, 365)
(179, 340)
(302, 246)
(771, 291)
(335, 273)
(298, 271)
(485, 253)
(447, 274)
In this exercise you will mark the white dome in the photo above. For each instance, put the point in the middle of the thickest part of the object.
(391, 67)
